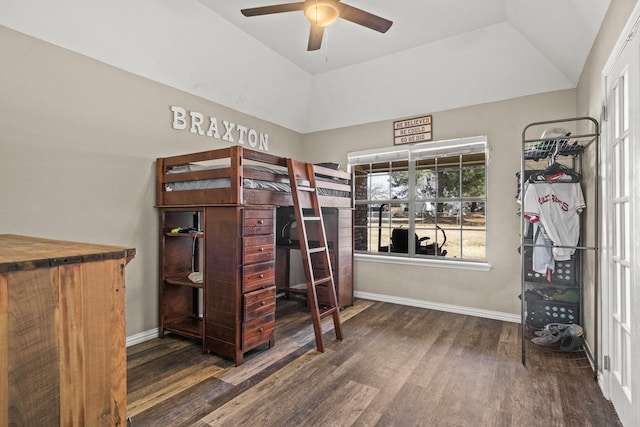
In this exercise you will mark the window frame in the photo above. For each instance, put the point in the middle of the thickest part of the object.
(412, 154)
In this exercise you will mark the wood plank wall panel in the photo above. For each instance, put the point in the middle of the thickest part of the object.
(33, 392)
(69, 328)
(118, 334)
(97, 341)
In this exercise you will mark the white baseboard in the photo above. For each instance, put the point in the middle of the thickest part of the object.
(142, 337)
(488, 314)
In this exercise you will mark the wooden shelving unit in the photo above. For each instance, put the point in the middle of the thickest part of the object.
(181, 299)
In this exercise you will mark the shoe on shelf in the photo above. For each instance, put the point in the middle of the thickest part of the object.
(574, 330)
(557, 328)
(550, 339)
(563, 336)
(564, 328)
(571, 343)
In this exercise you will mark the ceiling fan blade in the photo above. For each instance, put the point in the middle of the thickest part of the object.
(315, 37)
(276, 8)
(364, 18)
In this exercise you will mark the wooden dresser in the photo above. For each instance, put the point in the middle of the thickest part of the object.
(240, 280)
(62, 327)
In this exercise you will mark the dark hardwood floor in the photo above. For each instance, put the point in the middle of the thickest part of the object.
(397, 366)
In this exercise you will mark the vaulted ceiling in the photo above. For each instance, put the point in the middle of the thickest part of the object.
(438, 54)
(561, 31)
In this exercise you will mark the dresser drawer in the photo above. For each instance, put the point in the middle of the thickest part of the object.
(258, 221)
(257, 331)
(258, 249)
(257, 276)
(260, 302)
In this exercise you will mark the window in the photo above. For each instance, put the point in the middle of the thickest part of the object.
(423, 201)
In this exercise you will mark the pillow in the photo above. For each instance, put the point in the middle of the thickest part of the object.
(329, 165)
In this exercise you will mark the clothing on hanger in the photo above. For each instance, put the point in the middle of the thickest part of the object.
(557, 172)
(557, 206)
(542, 256)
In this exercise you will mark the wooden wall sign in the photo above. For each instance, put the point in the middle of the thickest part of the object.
(417, 129)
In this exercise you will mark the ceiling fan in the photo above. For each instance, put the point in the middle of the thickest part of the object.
(321, 13)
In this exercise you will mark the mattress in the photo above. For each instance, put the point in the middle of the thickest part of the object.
(246, 182)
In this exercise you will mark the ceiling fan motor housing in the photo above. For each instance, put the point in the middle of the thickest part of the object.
(321, 13)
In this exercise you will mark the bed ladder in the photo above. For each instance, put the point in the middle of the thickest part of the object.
(321, 289)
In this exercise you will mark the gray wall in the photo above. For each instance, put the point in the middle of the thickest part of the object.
(78, 142)
(496, 290)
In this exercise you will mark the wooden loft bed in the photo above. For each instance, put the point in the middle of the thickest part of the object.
(229, 203)
(237, 176)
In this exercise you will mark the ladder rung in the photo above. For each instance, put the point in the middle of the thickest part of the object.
(322, 281)
(316, 250)
(328, 311)
(309, 189)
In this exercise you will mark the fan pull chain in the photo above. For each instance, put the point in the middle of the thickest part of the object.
(326, 45)
(316, 10)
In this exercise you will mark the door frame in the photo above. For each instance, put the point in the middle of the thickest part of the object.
(629, 32)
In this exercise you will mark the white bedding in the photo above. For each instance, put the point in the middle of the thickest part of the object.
(226, 182)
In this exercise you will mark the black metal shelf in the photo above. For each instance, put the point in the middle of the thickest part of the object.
(571, 139)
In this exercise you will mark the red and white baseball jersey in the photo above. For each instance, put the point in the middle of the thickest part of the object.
(557, 205)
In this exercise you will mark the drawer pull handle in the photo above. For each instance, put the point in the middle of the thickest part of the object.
(261, 275)
(263, 302)
(261, 329)
(261, 249)
(261, 221)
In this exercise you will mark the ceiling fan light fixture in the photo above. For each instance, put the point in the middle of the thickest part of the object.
(321, 13)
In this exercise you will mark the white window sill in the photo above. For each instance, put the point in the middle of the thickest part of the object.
(424, 262)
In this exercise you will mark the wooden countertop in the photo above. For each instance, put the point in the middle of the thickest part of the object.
(19, 253)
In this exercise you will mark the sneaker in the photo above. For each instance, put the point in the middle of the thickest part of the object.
(549, 339)
(574, 330)
(558, 328)
(570, 343)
